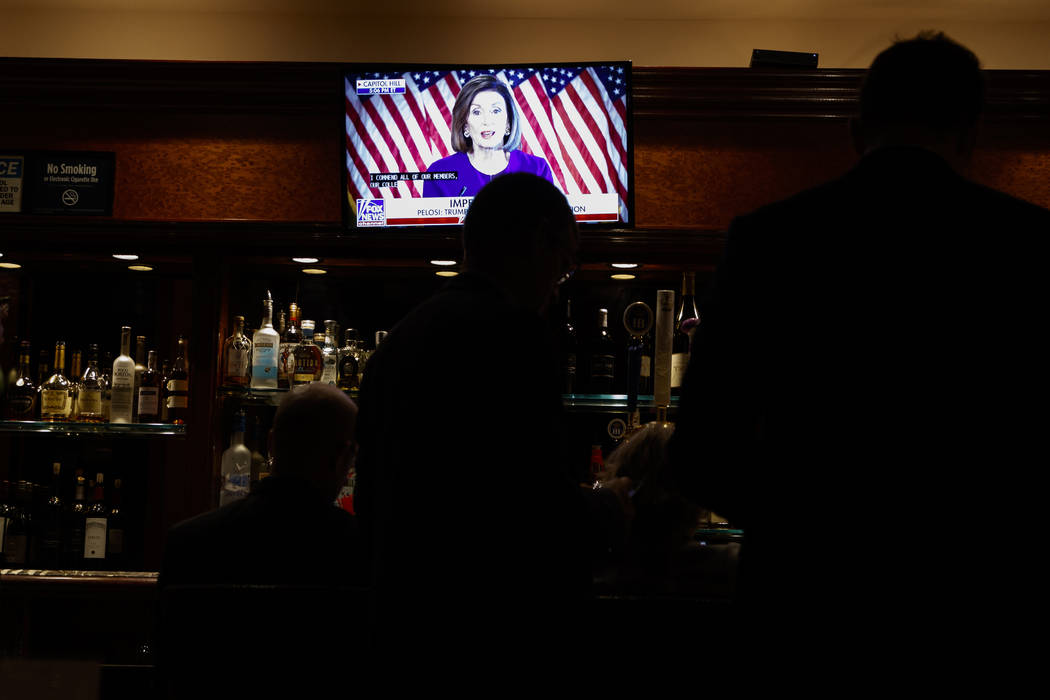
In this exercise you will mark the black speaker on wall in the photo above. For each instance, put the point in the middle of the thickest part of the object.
(763, 58)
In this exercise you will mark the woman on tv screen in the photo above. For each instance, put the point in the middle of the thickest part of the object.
(486, 135)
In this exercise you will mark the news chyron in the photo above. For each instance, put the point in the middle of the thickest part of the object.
(404, 168)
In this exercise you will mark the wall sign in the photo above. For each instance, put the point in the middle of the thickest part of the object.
(71, 183)
(12, 170)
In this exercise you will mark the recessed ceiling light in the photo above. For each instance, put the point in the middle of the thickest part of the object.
(140, 268)
(306, 261)
(125, 257)
(624, 266)
(314, 271)
(446, 273)
(622, 276)
(10, 266)
(444, 263)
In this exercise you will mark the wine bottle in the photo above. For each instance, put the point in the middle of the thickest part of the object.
(140, 367)
(177, 391)
(568, 349)
(73, 535)
(602, 357)
(685, 323)
(149, 399)
(96, 523)
(115, 552)
(122, 392)
(51, 522)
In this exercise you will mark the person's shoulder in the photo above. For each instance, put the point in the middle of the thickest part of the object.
(451, 162)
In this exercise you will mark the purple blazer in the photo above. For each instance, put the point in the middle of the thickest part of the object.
(471, 181)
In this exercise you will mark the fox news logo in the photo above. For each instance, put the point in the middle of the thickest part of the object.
(371, 212)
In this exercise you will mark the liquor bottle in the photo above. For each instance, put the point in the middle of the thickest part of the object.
(282, 324)
(56, 394)
(685, 322)
(259, 469)
(165, 372)
(51, 521)
(645, 378)
(265, 346)
(380, 337)
(177, 389)
(73, 536)
(43, 370)
(107, 385)
(149, 399)
(236, 467)
(349, 361)
(602, 357)
(96, 525)
(19, 520)
(319, 342)
(5, 514)
(329, 355)
(307, 357)
(115, 553)
(21, 399)
(237, 357)
(89, 398)
(290, 339)
(140, 367)
(122, 391)
(74, 381)
(569, 348)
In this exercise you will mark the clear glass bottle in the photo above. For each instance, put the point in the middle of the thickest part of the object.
(149, 398)
(21, 399)
(177, 390)
(236, 469)
(349, 361)
(265, 346)
(122, 391)
(329, 355)
(602, 357)
(237, 357)
(56, 394)
(290, 339)
(684, 325)
(307, 357)
(89, 397)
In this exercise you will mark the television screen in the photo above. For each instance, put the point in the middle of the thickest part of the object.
(421, 140)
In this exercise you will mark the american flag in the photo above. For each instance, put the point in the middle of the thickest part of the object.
(573, 116)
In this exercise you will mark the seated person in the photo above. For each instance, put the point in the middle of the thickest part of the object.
(486, 134)
(657, 556)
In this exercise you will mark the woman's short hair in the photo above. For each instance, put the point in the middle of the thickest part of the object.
(465, 98)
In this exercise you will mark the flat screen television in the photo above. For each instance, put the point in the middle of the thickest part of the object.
(422, 139)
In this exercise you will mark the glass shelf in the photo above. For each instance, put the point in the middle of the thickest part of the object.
(617, 401)
(124, 429)
(272, 397)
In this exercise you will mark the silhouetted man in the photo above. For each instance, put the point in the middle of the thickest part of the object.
(253, 593)
(866, 391)
(475, 523)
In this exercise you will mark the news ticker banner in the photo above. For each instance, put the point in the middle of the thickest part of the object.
(430, 211)
(79, 182)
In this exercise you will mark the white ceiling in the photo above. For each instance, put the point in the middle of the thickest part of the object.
(959, 10)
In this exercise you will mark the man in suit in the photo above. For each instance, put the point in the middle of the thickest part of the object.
(251, 593)
(866, 387)
(477, 529)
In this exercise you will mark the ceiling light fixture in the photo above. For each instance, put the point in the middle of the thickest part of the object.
(314, 271)
(622, 276)
(443, 263)
(624, 266)
(307, 261)
(10, 266)
(446, 273)
(120, 256)
(140, 268)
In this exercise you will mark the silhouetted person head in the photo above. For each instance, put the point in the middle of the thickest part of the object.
(926, 92)
(313, 436)
(520, 233)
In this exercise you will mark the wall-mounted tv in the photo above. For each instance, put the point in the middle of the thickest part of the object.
(421, 140)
